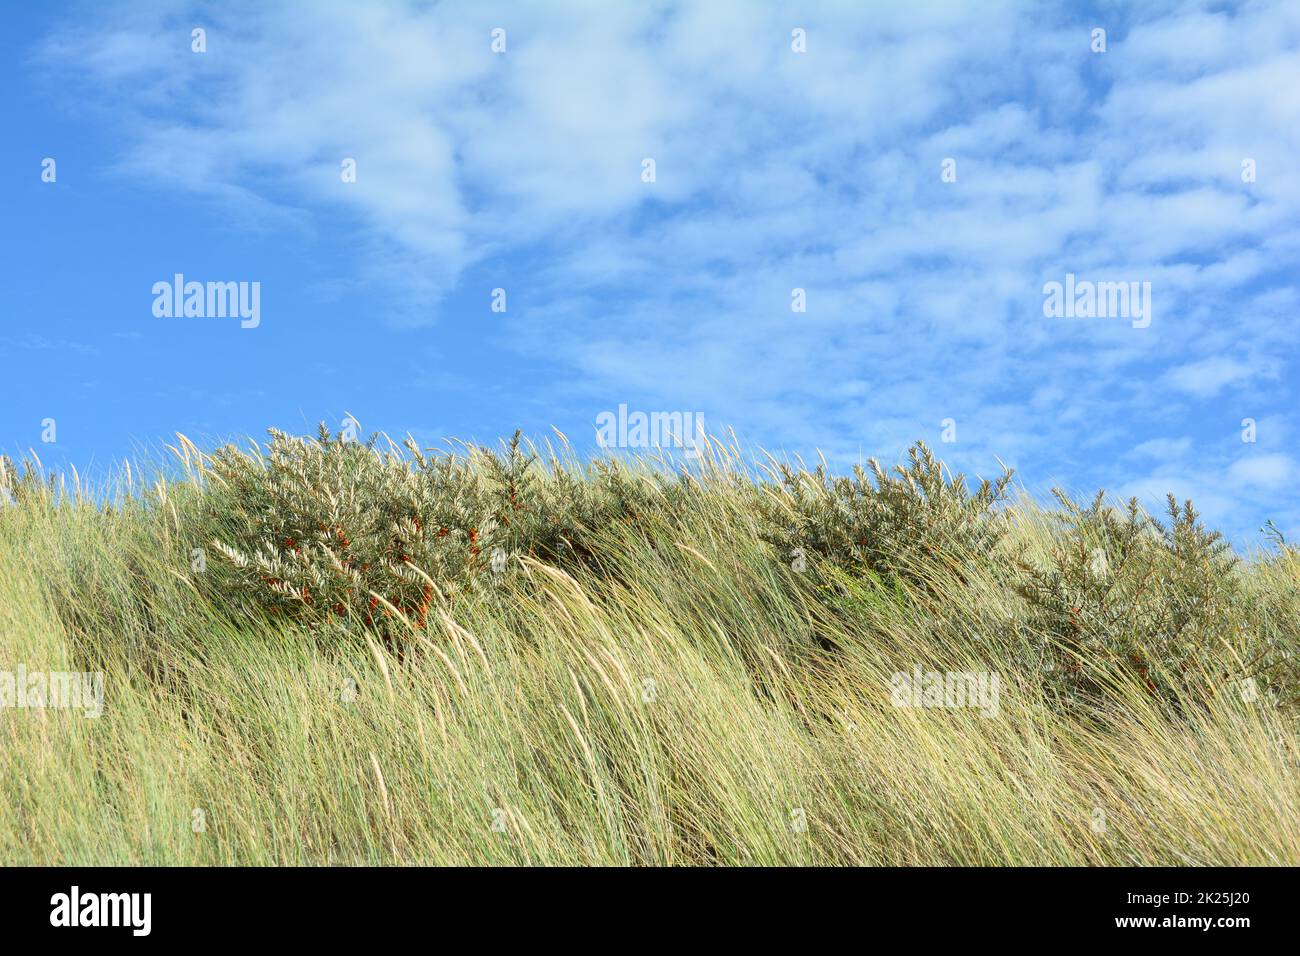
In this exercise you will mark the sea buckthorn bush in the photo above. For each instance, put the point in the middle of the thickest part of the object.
(328, 527)
(556, 514)
(891, 524)
(1122, 595)
(331, 527)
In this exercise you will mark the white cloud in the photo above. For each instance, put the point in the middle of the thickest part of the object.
(1163, 449)
(1266, 471)
(1208, 377)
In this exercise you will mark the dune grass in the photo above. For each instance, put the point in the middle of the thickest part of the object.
(678, 693)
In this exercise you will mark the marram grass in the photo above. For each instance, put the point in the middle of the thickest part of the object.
(649, 674)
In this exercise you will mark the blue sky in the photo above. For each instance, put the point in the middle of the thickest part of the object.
(775, 170)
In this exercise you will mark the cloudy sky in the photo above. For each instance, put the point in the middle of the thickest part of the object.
(1169, 158)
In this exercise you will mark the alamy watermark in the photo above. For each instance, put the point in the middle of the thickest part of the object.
(951, 689)
(211, 300)
(133, 911)
(683, 430)
(1084, 299)
(60, 690)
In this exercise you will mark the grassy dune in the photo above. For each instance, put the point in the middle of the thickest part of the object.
(647, 678)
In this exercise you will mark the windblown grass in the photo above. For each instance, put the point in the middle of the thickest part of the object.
(680, 696)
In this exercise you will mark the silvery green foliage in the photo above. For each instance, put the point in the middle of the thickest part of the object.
(1156, 608)
(331, 527)
(889, 523)
(327, 528)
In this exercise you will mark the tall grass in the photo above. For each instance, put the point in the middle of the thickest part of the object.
(658, 685)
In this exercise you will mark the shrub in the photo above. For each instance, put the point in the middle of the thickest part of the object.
(887, 524)
(326, 527)
(331, 527)
(556, 514)
(1123, 596)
